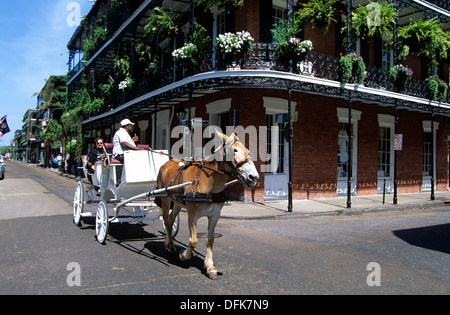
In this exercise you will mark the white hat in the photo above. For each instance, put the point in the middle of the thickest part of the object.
(126, 122)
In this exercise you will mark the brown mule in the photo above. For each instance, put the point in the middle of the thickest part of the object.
(205, 198)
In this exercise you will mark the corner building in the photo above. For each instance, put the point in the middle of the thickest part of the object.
(344, 135)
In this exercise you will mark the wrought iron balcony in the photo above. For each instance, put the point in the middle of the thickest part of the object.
(263, 57)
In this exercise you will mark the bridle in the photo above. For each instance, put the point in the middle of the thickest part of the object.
(235, 166)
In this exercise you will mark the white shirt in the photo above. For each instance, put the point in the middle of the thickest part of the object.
(121, 136)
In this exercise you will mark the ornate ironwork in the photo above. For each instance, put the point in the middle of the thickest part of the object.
(264, 58)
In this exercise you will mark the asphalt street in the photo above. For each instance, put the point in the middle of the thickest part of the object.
(41, 249)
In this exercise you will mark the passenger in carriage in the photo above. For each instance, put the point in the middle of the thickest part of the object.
(122, 140)
(95, 155)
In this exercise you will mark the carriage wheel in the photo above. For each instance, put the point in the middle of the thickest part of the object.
(78, 202)
(101, 222)
(175, 226)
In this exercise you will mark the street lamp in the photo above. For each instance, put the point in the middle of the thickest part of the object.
(180, 113)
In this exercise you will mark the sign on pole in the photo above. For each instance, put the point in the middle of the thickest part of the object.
(398, 142)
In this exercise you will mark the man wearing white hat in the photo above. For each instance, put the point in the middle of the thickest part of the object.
(122, 140)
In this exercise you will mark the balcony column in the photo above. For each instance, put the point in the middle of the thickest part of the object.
(433, 175)
(290, 11)
(395, 52)
(192, 18)
(350, 47)
(290, 17)
(350, 152)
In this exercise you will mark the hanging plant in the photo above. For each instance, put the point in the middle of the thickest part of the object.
(123, 65)
(352, 68)
(399, 74)
(377, 19)
(227, 4)
(152, 69)
(435, 89)
(359, 69)
(319, 12)
(108, 88)
(197, 50)
(425, 39)
(443, 87)
(203, 42)
(162, 24)
(91, 44)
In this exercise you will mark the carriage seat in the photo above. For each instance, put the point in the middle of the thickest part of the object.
(109, 147)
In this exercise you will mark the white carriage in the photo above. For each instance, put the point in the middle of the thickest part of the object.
(132, 196)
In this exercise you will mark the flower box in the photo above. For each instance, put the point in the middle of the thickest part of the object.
(234, 47)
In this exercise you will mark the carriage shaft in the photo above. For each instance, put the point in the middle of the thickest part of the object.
(149, 194)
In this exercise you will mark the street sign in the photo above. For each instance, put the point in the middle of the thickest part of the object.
(196, 122)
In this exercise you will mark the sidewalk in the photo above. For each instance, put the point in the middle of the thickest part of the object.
(332, 206)
(277, 209)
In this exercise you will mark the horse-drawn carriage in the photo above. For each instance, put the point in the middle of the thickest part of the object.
(132, 194)
(150, 180)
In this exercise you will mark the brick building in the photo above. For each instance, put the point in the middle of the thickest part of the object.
(343, 134)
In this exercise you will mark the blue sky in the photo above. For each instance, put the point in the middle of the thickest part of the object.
(33, 39)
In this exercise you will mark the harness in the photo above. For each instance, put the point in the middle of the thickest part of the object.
(194, 195)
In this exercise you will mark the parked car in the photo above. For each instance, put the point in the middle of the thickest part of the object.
(2, 168)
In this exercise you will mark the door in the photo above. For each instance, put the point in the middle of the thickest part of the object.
(276, 180)
(343, 159)
(385, 159)
(429, 154)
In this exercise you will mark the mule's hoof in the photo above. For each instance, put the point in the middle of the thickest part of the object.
(170, 250)
(212, 275)
(183, 257)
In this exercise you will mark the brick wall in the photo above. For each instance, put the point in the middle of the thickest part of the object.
(315, 143)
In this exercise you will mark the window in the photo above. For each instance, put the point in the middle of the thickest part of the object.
(387, 59)
(343, 151)
(427, 154)
(384, 152)
(220, 26)
(278, 14)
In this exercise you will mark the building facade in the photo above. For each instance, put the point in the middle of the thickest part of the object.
(345, 138)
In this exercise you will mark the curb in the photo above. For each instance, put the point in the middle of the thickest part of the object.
(283, 215)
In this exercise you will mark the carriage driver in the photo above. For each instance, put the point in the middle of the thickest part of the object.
(123, 141)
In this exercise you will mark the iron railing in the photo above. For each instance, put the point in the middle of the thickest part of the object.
(263, 57)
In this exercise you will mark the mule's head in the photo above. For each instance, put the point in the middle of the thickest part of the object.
(237, 157)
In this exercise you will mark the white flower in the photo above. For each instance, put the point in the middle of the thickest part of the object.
(125, 84)
(230, 42)
(185, 52)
